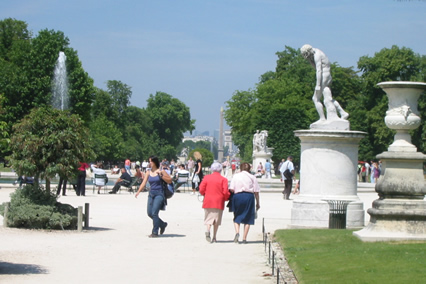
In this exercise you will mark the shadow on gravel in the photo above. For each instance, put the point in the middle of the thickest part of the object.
(19, 268)
(97, 229)
(172, 236)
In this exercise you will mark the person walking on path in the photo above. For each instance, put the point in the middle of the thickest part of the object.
(156, 199)
(198, 171)
(268, 169)
(190, 165)
(62, 183)
(246, 191)
(81, 179)
(214, 188)
(288, 182)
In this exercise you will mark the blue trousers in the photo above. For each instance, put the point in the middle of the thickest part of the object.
(155, 204)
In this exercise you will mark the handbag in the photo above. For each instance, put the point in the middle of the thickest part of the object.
(168, 189)
(196, 179)
(288, 174)
(229, 205)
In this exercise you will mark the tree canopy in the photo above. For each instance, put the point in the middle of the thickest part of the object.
(118, 130)
(281, 101)
(48, 142)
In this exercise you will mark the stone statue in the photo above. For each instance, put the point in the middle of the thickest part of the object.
(259, 141)
(256, 142)
(263, 136)
(321, 63)
(184, 152)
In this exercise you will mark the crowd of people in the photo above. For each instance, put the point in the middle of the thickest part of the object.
(369, 172)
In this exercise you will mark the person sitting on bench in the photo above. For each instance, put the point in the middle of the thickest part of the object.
(178, 181)
(124, 179)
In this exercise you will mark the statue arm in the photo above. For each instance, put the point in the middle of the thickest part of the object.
(318, 68)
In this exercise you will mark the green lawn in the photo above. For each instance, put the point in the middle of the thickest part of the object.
(336, 256)
(3, 169)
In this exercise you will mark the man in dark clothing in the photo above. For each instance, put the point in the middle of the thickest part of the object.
(124, 179)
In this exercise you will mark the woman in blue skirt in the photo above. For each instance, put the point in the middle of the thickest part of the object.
(246, 192)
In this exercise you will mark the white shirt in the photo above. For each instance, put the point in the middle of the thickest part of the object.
(244, 182)
(182, 179)
(98, 181)
(287, 165)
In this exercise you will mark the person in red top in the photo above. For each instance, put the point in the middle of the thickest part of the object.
(214, 188)
(81, 179)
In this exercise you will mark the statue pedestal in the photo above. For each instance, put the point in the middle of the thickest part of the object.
(329, 160)
(261, 157)
(400, 211)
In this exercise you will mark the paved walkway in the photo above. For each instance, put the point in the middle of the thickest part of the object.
(116, 248)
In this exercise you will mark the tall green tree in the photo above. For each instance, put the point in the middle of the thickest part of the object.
(389, 64)
(120, 98)
(26, 72)
(48, 142)
(282, 103)
(170, 119)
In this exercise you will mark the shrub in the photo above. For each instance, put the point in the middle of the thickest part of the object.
(36, 208)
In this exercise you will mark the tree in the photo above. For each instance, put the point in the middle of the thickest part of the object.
(170, 118)
(26, 72)
(206, 154)
(282, 103)
(48, 142)
(389, 64)
(120, 99)
(239, 117)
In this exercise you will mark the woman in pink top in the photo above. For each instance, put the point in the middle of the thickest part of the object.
(246, 190)
(214, 188)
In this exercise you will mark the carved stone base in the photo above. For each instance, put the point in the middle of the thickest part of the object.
(329, 160)
(338, 124)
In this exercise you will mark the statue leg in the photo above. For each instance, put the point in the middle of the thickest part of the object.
(318, 106)
(329, 105)
(342, 112)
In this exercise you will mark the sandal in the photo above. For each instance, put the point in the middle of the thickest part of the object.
(237, 236)
(208, 239)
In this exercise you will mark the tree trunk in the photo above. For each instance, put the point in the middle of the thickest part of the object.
(36, 180)
(48, 185)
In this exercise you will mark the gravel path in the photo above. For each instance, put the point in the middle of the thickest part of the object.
(116, 247)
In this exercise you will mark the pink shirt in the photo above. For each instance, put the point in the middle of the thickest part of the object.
(244, 181)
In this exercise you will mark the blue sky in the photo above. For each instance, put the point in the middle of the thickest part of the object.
(202, 51)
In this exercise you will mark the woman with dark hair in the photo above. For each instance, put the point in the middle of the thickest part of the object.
(198, 170)
(246, 191)
(156, 199)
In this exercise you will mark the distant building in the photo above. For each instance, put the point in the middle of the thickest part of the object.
(198, 138)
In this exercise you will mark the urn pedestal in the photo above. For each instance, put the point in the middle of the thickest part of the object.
(400, 211)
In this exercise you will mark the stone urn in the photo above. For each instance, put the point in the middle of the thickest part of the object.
(400, 211)
(402, 114)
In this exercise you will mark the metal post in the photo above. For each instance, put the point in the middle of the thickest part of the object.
(273, 262)
(278, 276)
(80, 219)
(269, 253)
(86, 215)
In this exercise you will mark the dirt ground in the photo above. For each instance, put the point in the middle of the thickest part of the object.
(116, 247)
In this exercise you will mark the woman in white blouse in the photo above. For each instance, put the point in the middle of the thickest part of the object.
(246, 191)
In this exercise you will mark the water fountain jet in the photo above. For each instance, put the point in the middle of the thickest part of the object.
(60, 99)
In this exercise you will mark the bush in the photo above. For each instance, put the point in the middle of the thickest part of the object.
(36, 208)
